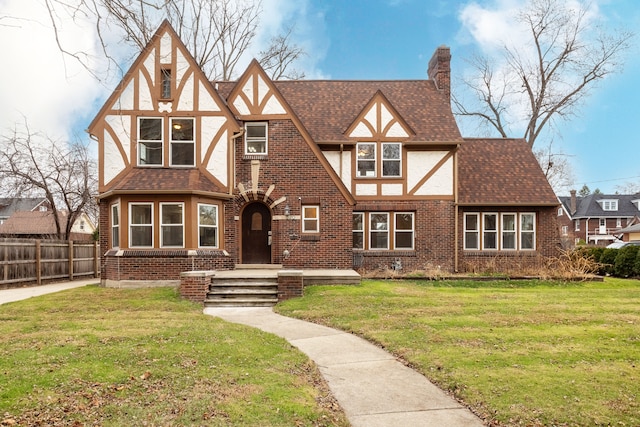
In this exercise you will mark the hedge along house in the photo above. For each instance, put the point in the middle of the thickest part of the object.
(199, 175)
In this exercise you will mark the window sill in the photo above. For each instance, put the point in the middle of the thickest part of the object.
(255, 157)
(385, 252)
(310, 237)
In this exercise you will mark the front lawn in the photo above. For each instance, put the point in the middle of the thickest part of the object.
(527, 353)
(114, 357)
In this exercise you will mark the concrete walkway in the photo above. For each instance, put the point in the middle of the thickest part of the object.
(373, 388)
(17, 294)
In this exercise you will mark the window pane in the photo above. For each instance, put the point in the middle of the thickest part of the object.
(471, 240)
(115, 217)
(208, 215)
(471, 222)
(390, 168)
(358, 240)
(172, 235)
(208, 236)
(171, 214)
(182, 154)
(358, 221)
(379, 240)
(150, 153)
(526, 222)
(141, 214)
(509, 240)
(182, 129)
(310, 212)
(490, 222)
(379, 222)
(489, 241)
(310, 225)
(509, 222)
(150, 130)
(141, 235)
(366, 159)
(527, 240)
(404, 240)
(166, 83)
(404, 221)
(391, 151)
(256, 131)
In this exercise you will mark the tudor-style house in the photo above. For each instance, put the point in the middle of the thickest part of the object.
(200, 175)
(597, 219)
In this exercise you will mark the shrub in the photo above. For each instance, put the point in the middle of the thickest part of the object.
(608, 260)
(636, 266)
(596, 253)
(625, 261)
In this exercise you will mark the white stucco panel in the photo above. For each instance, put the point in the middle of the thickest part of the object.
(186, 96)
(150, 65)
(241, 106)
(125, 101)
(419, 163)
(182, 66)
(273, 106)
(366, 189)
(440, 183)
(145, 101)
(385, 117)
(263, 89)
(218, 163)
(346, 169)
(205, 100)
(396, 131)
(392, 189)
(361, 131)
(113, 161)
(165, 49)
(372, 117)
(247, 89)
(209, 127)
(333, 157)
(121, 126)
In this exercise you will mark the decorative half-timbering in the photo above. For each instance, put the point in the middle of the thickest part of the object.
(200, 175)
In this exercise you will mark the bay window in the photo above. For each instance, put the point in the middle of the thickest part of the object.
(172, 225)
(207, 226)
(115, 226)
(141, 225)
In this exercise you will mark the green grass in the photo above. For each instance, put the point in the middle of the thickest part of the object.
(527, 353)
(113, 357)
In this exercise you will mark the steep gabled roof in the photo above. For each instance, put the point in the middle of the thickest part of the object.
(589, 206)
(28, 222)
(327, 108)
(501, 172)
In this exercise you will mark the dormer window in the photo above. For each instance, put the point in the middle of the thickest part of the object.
(368, 163)
(255, 138)
(609, 205)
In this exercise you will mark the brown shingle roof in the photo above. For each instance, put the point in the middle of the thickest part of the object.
(163, 179)
(327, 108)
(32, 222)
(501, 172)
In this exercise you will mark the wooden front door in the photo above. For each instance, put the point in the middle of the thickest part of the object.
(256, 234)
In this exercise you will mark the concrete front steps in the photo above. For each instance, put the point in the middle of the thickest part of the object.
(246, 286)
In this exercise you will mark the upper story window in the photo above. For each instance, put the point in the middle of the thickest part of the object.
(182, 142)
(609, 205)
(560, 212)
(368, 162)
(165, 84)
(150, 141)
(255, 140)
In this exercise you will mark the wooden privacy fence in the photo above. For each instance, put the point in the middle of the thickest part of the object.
(35, 261)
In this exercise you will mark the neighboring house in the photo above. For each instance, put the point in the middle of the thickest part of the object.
(597, 219)
(307, 174)
(8, 206)
(631, 233)
(41, 225)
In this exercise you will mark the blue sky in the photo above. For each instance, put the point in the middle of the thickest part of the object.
(344, 39)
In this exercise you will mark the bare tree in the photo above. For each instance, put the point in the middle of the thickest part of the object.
(65, 174)
(278, 58)
(217, 32)
(557, 168)
(533, 84)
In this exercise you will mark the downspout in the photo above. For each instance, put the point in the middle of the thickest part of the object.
(455, 212)
(232, 158)
(341, 150)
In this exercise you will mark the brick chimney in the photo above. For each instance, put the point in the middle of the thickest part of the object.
(573, 206)
(440, 70)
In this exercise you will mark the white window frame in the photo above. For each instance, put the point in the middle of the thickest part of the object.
(131, 224)
(504, 231)
(475, 231)
(609, 205)
(522, 232)
(560, 211)
(361, 230)
(171, 225)
(398, 160)
(565, 230)
(618, 222)
(311, 219)
(191, 142)
(374, 159)
(404, 231)
(144, 141)
(384, 231)
(214, 226)
(494, 231)
(115, 225)
(248, 140)
(577, 225)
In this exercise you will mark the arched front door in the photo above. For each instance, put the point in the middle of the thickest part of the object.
(256, 234)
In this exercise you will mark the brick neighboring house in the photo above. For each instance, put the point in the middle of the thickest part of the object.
(596, 219)
(198, 175)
